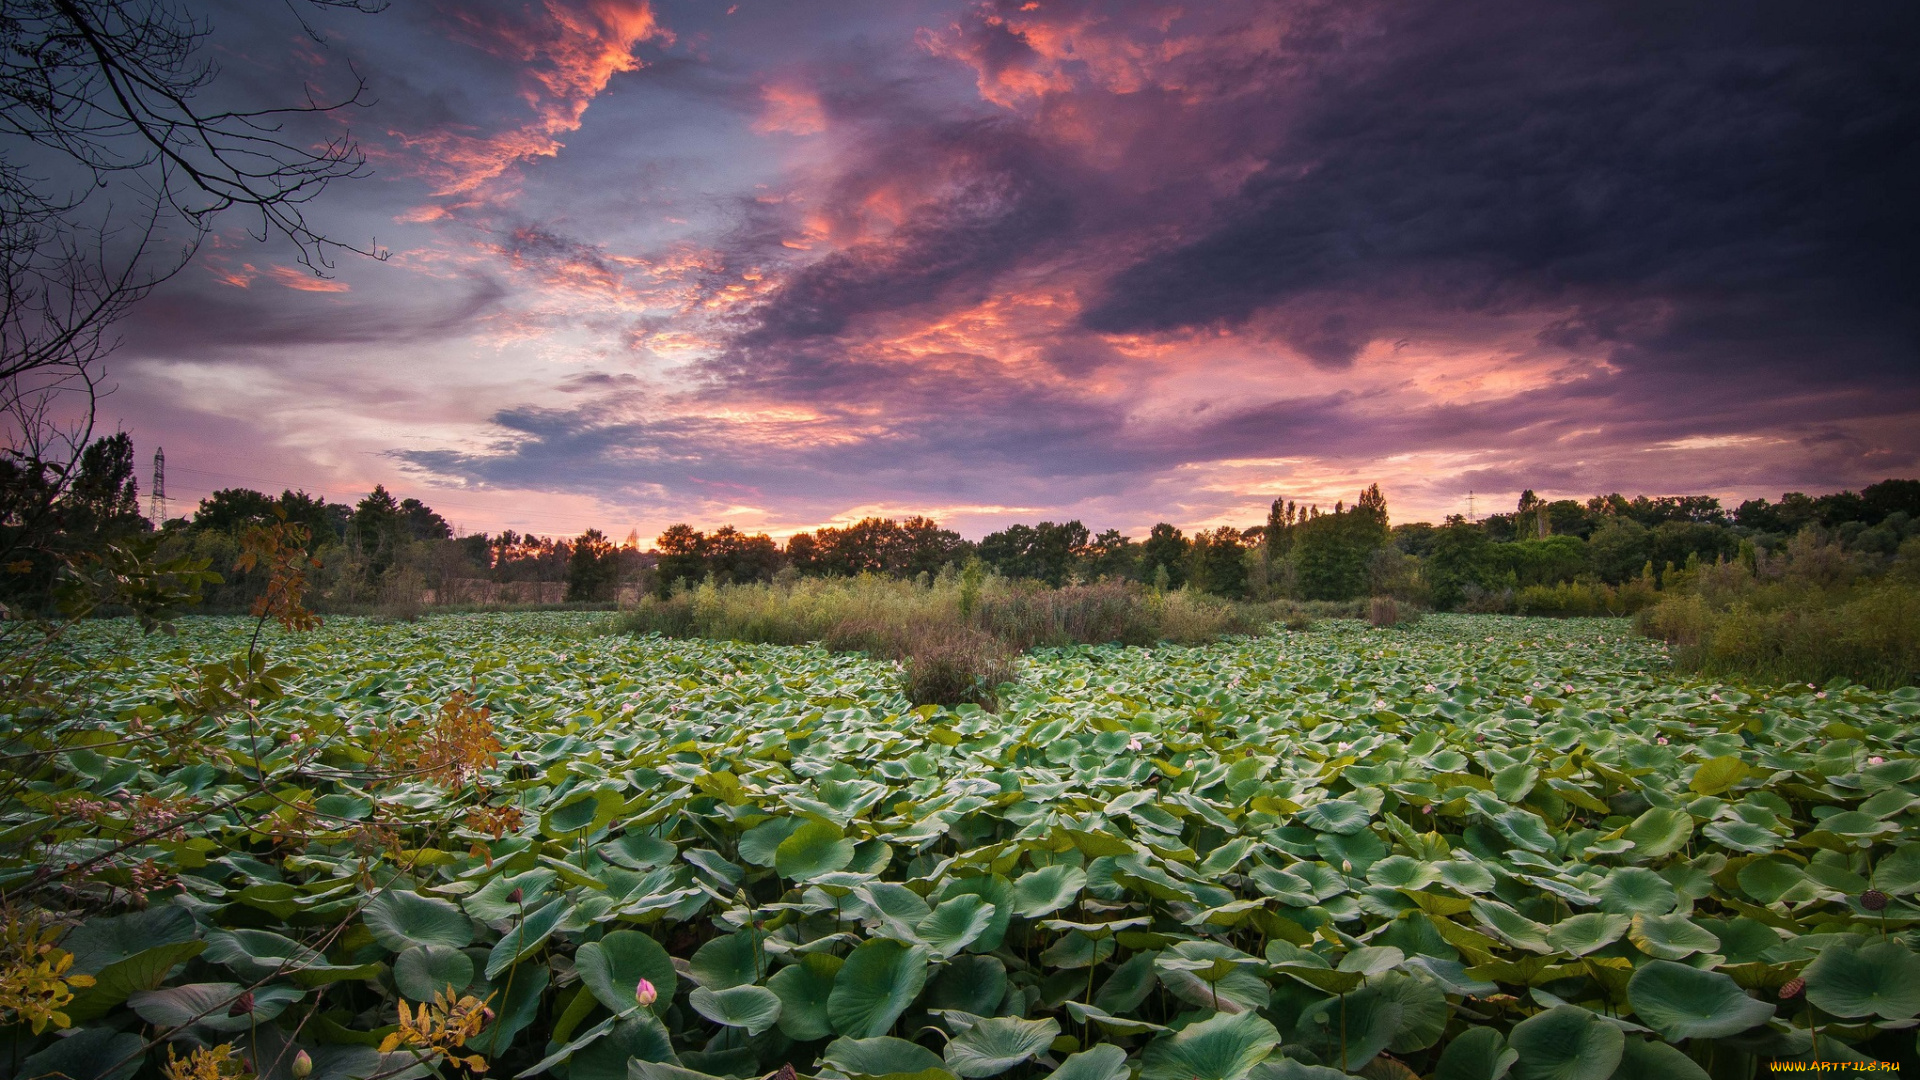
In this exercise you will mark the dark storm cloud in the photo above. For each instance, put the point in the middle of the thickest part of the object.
(1749, 165)
(191, 317)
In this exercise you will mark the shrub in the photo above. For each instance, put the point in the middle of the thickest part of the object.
(946, 667)
(1386, 611)
(952, 632)
(1807, 618)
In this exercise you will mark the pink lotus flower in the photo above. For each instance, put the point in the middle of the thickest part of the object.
(1876, 760)
(645, 994)
(302, 1065)
(1133, 744)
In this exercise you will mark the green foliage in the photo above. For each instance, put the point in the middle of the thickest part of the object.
(1471, 848)
(1810, 616)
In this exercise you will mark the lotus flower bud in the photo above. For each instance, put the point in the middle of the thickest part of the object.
(516, 895)
(302, 1065)
(645, 994)
(242, 1005)
(1792, 988)
(1873, 900)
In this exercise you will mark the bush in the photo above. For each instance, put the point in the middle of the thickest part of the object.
(954, 668)
(1805, 618)
(1386, 611)
(955, 634)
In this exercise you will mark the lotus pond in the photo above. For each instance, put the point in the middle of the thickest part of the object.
(1471, 849)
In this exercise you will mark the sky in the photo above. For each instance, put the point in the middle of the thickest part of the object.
(784, 264)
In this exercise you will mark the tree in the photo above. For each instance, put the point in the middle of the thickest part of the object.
(1218, 566)
(593, 567)
(421, 523)
(231, 510)
(112, 172)
(1332, 553)
(1165, 549)
(378, 528)
(683, 556)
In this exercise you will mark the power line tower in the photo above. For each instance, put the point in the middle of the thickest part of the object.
(1470, 516)
(157, 512)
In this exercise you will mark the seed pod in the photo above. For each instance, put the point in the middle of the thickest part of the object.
(242, 1005)
(1792, 988)
(1873, 900)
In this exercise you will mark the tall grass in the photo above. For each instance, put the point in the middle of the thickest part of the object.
(1815, 616)
(956, 635)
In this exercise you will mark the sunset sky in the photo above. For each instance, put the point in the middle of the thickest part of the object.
(782, 263)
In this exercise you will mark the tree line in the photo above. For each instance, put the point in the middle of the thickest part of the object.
(1606, 554)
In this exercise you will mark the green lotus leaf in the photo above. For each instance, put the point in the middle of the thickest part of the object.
(997, 1044)
(1719, 774)
(1744, 836)
(1511, 926)
(1899, 872)
(1047, 890)
(1670, 937)
(1129, 985)
(426, 970)
(754, 1008)
(514, 1009)
(1103, 1062)
(401, 919)
(1401, 872)
(880, 1055)
(996, 890)
(759, 844)
(1641, 1059)
(955, 924)
(1880, 979)
(1223, 1047)
(144, 970)
(1525, 828)
(639, 851)
(582, 813)
(1514, 782)
(526, 936)
(206, 1005)
(1687, 1003)
(1335, 816)
(1659, 832)
(1478, 1053)
(88, 1054)
(1566, 1042)
(1212, 976)
(262, 954)
(489, 903)
(611, 970)
(729, 960)
(1586, 932)
(636, 1039)
(1465, 876)
(99, 942)
(1634, 890)
(1115, 1025)
(803, 989)
(876, 984)
(813, 849)
(1353, 1029)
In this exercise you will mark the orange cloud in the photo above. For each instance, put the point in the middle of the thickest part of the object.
(295, 278)
(570, 55)
(791, 110)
